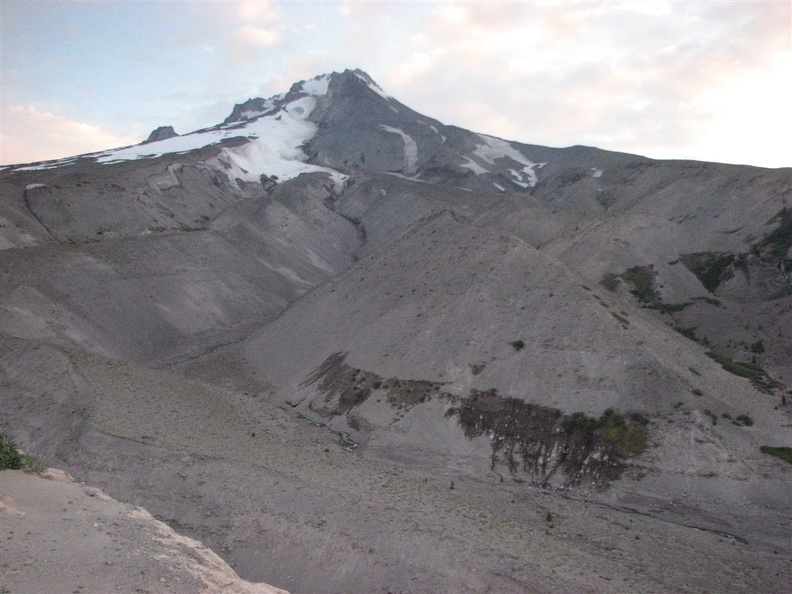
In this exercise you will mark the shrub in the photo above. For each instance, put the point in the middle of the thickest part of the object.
(711, 268)
(642, 278)
(782, 452)
(10, 457)
(518, 345)
(744, 420)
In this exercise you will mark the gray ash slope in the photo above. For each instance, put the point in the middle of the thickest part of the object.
(448, 299)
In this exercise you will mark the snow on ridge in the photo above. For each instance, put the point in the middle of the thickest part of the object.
(410, 149)
(274, 148)
(373, 86)
(496, 148)
(317, 86)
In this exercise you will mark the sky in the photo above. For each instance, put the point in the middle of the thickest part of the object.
(700, 80)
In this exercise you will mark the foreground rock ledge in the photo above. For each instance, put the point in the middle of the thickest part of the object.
(57, 535)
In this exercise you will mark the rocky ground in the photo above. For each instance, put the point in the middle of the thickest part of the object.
(58, 535)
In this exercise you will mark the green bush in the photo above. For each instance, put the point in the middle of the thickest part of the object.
(10, 458)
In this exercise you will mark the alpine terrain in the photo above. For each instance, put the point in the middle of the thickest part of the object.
(353, 349)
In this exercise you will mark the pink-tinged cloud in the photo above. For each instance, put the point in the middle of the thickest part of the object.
(29, 134)
(654, 77)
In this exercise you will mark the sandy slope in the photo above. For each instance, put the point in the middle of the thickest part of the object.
(57, 535)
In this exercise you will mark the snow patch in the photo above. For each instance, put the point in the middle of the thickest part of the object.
(53, 164)
(300, 109)
(500, 187)
(473, 166)
(597, 172)
(496, 148)
(317, 87)
(410, 149)
(34, 186)
(518, 178)
(373, 86)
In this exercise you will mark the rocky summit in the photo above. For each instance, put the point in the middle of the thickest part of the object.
(351, 348)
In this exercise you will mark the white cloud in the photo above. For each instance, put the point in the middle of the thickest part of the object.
(657, 78)
(30, 134)
(254, 36)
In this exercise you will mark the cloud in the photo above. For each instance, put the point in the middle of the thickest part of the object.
(651, 77)
(30, 134)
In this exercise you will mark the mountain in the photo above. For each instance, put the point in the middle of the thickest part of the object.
(353, 348)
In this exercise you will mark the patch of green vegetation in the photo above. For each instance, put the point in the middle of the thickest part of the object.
(696, 392)
(758, 376)
(622, 437)
(9, 454)
(694, 371)
(782, 452)
(12, 459)
(711, 268)
(540, 439)
(642, 279)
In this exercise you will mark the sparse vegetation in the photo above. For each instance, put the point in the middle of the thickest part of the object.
(711, 415)
(610, 282)
(776, 244)
(622, 320)
(476, 369)
(642, 279)
(782, 452)
(758, 376)
(743, 420)
(518, 345)
(711, 268)
(10, 457)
